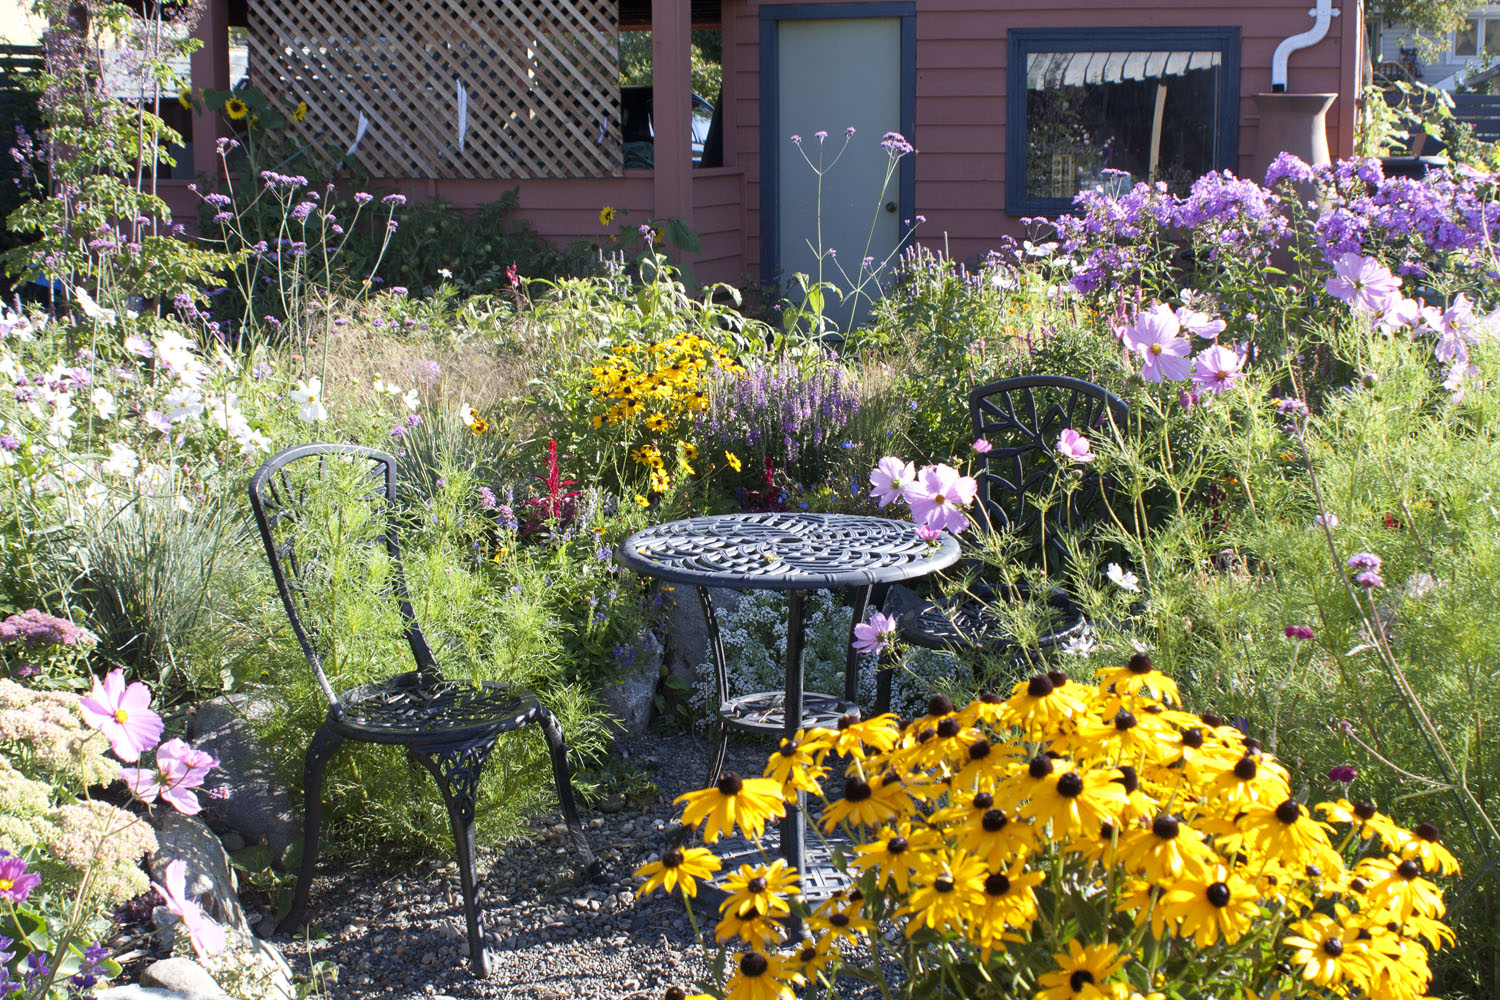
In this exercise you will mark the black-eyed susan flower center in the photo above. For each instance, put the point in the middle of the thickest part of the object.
(983, 800)
(757, 884)
(939, 704)
(1252, 745)
(1246, 769)
(839, 920)
(1125, 721)
(1212, 719)
(856, 790)
(1409, 869)
(1218, 895)
(943, 884)
(754, 965)
(1039, 768)
(948, 728)
(1039, 686)
(1358, 885)
(1166, 827)
(1365, 810)
(672, 858)
(1140, 663)
(1428, 832)
(1333, 947)
(1128, 778)
(1289, 812)
(897, 845)
(926, 734)
(1078, 980)
(730, 784)
(674, 993)
(1057, 677)
(788, 748)
(994, 821)
(1192, 738)
(807, 954)
(1070, 785)
(991, 698)
(850, 719)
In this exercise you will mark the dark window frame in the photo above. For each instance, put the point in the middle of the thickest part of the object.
(1022, 42)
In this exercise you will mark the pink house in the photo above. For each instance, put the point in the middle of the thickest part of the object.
(1013, 108)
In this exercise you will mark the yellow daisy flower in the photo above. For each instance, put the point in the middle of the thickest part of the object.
(761, 976)
(236, 108)
(679, 867)
(1212, 905)
(744, 802)
(1081, 972)
(299, 113)
(733, 460)
(606, 215)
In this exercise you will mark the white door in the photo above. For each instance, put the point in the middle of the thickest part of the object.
(834, 74)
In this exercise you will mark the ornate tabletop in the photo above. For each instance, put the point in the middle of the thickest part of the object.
(786, 551)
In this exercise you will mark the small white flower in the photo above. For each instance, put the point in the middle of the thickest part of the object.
(186, 404)
(1080, 645)
(151, 479)
(309, 399)
(411, 400)
(1123, 579)
(467, 414)
(73, 473)
(91, 308)
(122, 460)
(104, 402)
(94, 494)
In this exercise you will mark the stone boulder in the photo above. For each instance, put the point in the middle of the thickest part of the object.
(631, 699)
(687, 633)
(259, 807)
(183, 976)
(209, 876)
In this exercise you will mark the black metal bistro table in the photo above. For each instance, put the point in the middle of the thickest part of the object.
(797, 553)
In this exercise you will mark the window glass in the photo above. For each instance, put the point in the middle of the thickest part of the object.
(1466, 39)
(1153, 114)
(1492, 36)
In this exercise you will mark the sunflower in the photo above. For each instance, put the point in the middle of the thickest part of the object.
(185, 98)
(760, 976)
(1081, 972)
(946, 891)
(733, 460)
(744, 802)
(299, 113)
(1211, 905)
(679, 867)
(606, 215)
(236, 108)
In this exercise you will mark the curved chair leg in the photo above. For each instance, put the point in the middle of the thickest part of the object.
(324, 742)
(557, 747)
(456, 770)
(721, 751)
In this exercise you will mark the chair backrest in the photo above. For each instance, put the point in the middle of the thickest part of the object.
(1022, 419)
(284, 492)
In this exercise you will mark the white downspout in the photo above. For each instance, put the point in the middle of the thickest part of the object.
(1322, 14)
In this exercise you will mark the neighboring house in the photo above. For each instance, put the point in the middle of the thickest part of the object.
(1014, 107)
(1473, 47)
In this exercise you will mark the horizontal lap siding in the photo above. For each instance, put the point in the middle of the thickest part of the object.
(961, 80)
(719, 220)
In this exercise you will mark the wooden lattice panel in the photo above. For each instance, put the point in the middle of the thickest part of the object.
(542, 82)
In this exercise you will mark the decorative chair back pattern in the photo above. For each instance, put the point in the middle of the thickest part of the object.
(1023, 418)
(283, 493)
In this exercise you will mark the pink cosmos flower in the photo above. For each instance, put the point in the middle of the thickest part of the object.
(1154, 336)
(179, 769)
(122, 714)
(874, 635)
(1200, 323)
(928, 533)
(16, 882)
(207, 936)
(1074, 446)
(937, 496)
(1217, 369)
(157, 421)
(890, 478)
(1363, 282)
(1402, 313)
(982, 446)
(139, 346)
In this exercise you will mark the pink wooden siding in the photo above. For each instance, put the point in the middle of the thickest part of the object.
(719, 220)
(960, 91)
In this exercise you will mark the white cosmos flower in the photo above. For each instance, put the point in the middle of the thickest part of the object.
(73, 473)
(94, 494)
(412, 400)
(122, 460)
(104, 402)
(1080, 645)
(309, 399)
(186, 404)
(1124, 579)
(151, 479)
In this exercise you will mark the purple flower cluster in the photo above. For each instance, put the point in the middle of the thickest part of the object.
(1366, 568)
(274, 180)
(37, 628)
(782, 407)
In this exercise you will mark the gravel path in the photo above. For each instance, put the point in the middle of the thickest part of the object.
(396, 934)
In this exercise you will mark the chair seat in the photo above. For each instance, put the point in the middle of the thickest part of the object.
(967, 623)
(411, 709)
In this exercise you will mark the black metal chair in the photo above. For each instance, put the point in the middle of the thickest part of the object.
(1022, 419)
(447, 726)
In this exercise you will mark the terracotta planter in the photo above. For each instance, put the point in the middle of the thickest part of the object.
(1292, 123)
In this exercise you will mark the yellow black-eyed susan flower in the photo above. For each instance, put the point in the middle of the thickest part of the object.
(894, 854)
(746, 803)
(1081, 972)
(733, 460)
(679, 867)
(764, 888)
(1211, 905)
(299, 113)
(236, 108)
(185, 98)
(761, 976)
(606, 215)
(947, 890)
(797, 764)
(1329, 950)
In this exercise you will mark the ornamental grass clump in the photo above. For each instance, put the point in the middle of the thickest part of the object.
(1072, 840)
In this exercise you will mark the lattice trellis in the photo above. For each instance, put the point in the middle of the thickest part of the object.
(542, 82)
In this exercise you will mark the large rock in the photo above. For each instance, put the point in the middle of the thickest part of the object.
(631, 699)
(258, 806)
(182, 975)
(134, 991)
(209, 876)
(687, 634)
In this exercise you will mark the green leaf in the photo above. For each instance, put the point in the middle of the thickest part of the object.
(682, 237)
(255, 858)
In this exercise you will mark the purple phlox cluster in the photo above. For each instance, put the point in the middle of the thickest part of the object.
(1366, 569)
(1288, 166)
(301, 210)
(37, 628)
(1236, 211)
(91, 968)
(803, 407)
